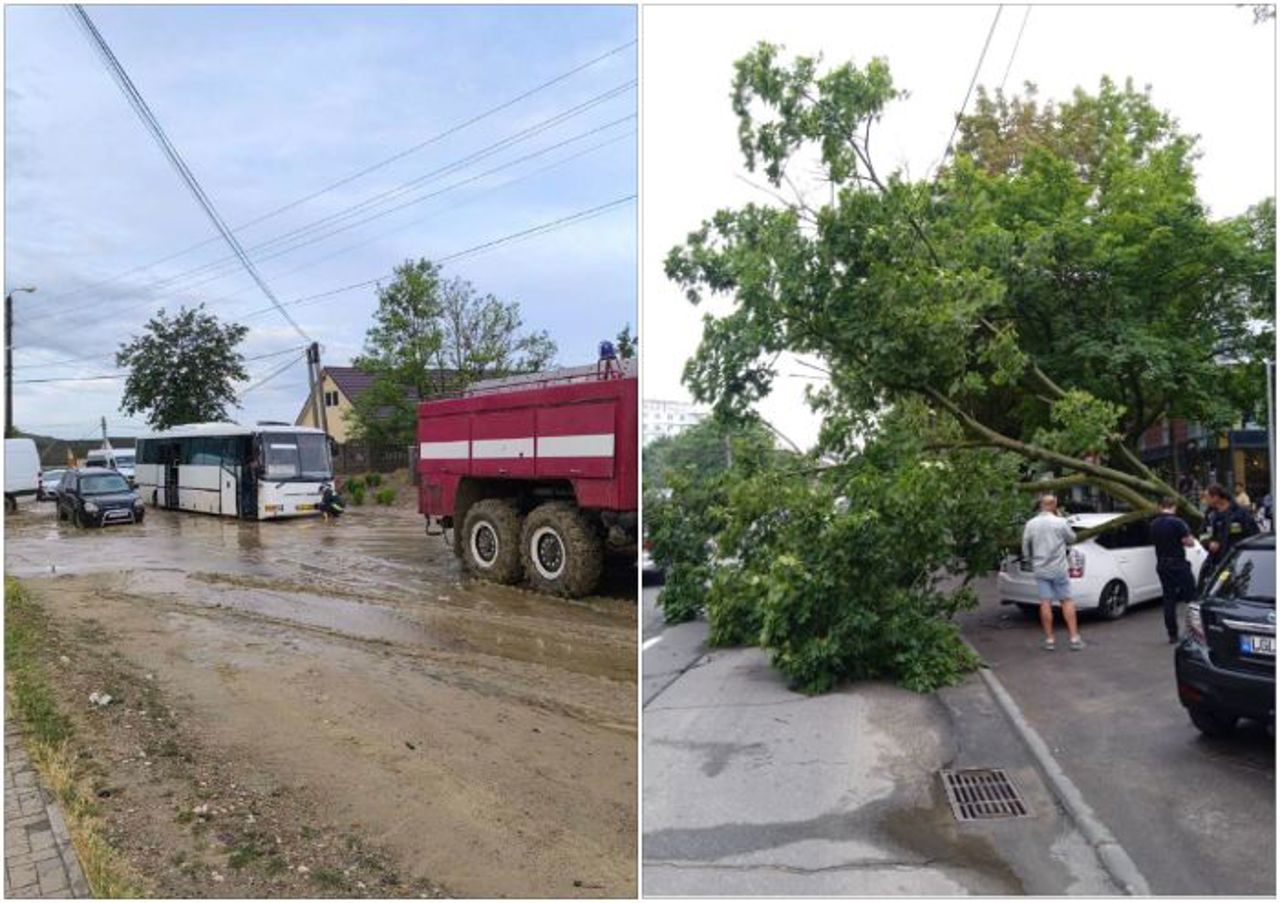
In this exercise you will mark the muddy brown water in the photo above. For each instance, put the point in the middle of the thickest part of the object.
(485, 735)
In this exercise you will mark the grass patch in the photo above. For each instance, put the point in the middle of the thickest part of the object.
(330, 879)
(49, 734)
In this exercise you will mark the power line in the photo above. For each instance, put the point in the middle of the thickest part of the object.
(973, 81)
(112, 354)
(153, 125)
(451, 130)
(272, 375)
(338, 253)
(211, 269)
(71, 379)
(1017, 42)
(301, 239)
(543, 228)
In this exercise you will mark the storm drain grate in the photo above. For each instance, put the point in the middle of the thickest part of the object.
(979, 793)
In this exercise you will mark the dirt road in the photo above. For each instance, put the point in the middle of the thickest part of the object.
(483, 737)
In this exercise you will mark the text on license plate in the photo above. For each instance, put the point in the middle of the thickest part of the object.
(306, 507)
(1258, 645)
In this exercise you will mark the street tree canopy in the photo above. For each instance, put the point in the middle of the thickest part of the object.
(1058, 288)
(704, 450)
(183, 368)
(1012, 324)
(432, 335)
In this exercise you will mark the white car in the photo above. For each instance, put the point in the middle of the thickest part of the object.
(1109, 572)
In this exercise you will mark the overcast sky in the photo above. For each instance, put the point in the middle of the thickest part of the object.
(268, 105)
(1210, 66)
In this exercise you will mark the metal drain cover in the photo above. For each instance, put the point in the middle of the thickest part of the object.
(981, 793)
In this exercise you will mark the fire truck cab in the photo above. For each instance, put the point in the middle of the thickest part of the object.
(535, 475)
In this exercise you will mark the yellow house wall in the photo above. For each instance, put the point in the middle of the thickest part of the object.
(337, 416)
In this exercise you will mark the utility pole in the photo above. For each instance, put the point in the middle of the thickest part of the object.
(317, 387)
(1271, 435)
(8, 359)
(106, 443)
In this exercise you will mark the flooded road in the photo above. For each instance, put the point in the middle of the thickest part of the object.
(484, 735)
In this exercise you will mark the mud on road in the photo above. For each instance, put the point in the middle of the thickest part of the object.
(480, 739)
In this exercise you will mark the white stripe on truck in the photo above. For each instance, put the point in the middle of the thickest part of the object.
(599, 445)
(446, 451)
(502, 448)
(588, 445)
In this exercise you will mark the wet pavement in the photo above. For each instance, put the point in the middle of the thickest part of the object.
(1196, 815)
(373, 574)
(484, 735)
(753, 789)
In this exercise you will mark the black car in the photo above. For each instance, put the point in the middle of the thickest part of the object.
(96, 498)
(1226, 663)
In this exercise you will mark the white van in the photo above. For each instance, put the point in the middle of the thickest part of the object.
(21, 471)
(117, 459)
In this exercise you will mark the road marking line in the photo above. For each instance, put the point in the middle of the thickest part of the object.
(649, 643)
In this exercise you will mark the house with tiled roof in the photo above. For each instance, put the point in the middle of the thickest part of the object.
(340, 387)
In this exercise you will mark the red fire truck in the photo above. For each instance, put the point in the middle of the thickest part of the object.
(536, 476)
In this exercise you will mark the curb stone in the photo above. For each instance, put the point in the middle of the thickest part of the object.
(1115, 860)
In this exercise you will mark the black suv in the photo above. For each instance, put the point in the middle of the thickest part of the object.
(96, 498)
(1226, 663)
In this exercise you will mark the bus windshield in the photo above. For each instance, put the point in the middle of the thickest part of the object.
(297, 456)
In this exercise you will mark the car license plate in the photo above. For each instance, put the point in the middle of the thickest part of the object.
(1251, 644)
(306, 507)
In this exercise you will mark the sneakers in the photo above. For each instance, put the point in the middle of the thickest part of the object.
(1048, 645)
(1077, 644)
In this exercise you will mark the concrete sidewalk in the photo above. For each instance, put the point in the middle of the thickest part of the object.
(751, 789)
(39, 860)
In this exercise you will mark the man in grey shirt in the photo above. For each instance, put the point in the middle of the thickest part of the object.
(1045, 540)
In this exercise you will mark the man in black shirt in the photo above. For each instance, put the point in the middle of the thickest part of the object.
(1227, 524)
(1172, 537)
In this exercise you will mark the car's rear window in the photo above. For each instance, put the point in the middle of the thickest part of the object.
(102, 483)
(1248, 574)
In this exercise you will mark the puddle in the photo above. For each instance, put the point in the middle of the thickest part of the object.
(373, 576)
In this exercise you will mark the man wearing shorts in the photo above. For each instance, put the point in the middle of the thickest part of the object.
(1045, 539)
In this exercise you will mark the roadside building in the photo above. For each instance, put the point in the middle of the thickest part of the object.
(668, 418)
(1191, 457)
(340, 387)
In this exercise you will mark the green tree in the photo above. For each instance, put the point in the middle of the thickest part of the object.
(1055, 291)
(183, 368)
(432, 335)
(626, 343)
(1014, 324)
(704, 449)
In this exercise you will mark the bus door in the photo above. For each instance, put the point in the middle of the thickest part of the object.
(170, 455)
(250, 456)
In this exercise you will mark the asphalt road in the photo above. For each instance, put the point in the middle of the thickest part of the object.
(668, 649)
(1197, 815)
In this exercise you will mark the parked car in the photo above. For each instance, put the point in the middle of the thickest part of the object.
(1108, 573)
(49, 482)
(121, 460)
(1226, 663)
(97, 498)
(21, 471)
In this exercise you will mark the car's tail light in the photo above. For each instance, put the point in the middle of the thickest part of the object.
(1195, 623)
(1075, 564)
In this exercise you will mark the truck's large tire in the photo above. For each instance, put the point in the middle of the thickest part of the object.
(491, 541)
(563, 554)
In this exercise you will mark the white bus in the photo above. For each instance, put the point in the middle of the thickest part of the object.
(261, 472)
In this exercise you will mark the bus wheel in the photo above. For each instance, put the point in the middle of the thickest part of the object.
(562, 553)
(491, 541)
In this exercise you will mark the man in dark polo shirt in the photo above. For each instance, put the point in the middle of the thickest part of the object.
(1172, 537)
